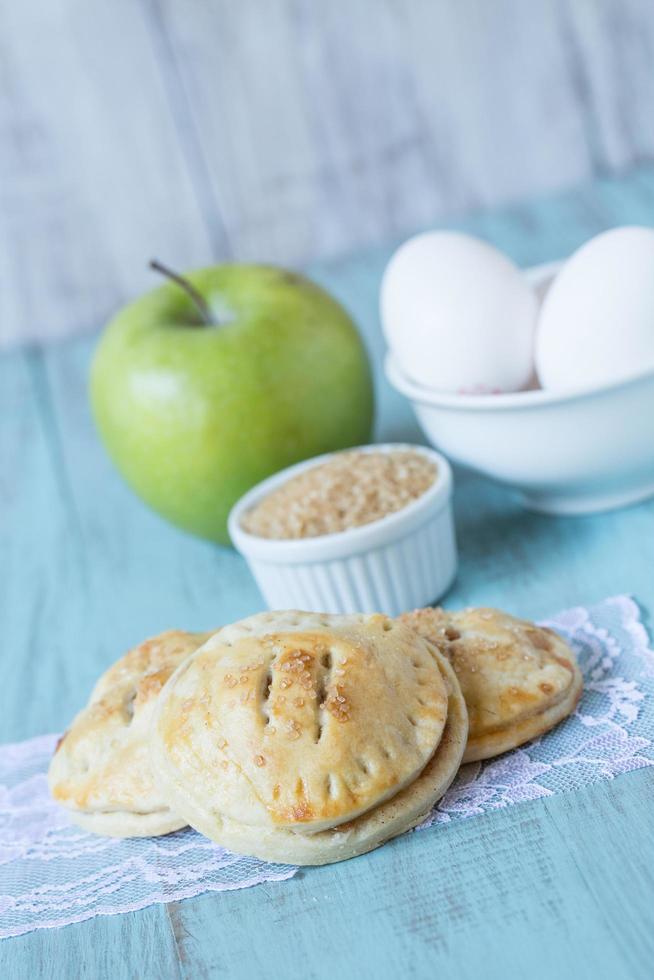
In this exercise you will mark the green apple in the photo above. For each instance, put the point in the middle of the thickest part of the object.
(212, 382)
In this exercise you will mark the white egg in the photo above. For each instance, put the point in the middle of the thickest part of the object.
(457, 315)
(596, 324)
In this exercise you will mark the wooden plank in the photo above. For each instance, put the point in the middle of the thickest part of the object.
(544, 889)
(50, 655)
(93, 178)
(352, 136)
(612, 47)
(42, 566)
(284, 131)
(138, 946)
(89, 570)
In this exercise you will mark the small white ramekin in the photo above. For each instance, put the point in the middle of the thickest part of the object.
(402, 561)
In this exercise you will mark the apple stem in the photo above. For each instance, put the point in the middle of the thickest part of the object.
(199, 300)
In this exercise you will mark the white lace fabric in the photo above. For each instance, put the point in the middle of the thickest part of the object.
(53, 874)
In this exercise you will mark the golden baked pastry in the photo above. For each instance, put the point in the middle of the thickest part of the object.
(518, 679)
(101, 768)
(307, 738)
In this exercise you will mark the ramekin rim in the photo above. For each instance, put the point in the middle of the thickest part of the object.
(351, 541)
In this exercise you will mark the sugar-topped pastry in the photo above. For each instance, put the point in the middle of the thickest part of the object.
(101, 770)
(308, 738)
(518, 679)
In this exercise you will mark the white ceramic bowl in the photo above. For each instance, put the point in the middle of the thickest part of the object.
(566, 453)
(404, 560)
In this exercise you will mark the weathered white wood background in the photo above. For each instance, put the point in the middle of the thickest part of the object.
(286, 129)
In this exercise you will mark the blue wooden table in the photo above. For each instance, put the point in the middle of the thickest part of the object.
(561, 887)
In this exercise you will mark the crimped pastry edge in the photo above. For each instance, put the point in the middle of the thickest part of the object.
(391, 818)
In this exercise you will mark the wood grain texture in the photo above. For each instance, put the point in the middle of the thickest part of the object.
(93, 176)
(539, 890)
(136, 946)
(561, 887)
(287, 130)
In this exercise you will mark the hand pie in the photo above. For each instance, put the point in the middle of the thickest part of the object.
(307, 738)
(518, 679)
(101, 769)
